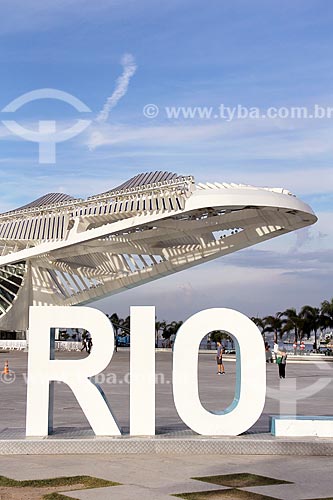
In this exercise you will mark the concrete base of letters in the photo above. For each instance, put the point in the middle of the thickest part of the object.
(82, 441)
(302, 426)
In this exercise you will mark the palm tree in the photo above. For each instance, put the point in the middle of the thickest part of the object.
(273, 324)
(293, 322)
(313, 321)
(260, 323)
(125, 325)
(120, 326)
(327, 313)
(114, 318)
(219, 335)
(171, 329)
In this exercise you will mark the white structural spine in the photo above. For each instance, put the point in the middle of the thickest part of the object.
(65, 251)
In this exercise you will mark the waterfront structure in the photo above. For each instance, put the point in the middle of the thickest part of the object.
(60, 250)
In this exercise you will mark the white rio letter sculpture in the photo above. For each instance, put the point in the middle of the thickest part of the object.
(43, 370)
(250, 392)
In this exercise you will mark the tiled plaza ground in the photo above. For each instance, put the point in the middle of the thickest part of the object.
(158, 476)
(216, 392)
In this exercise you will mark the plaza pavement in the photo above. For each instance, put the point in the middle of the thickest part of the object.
(216, 392)
(158, 476)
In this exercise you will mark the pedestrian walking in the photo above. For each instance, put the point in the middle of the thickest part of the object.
(172, 340)
(89, 345)
(281, 361)
(84, 345)
(268, 353)
(219, 360)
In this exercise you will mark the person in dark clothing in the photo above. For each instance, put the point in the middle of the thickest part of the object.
(282, 361)
(268, 352)
(89, 345)
(220, 365)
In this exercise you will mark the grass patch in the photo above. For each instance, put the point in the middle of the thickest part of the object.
(234, 481)
(243, 480)
(63, 483)
(230, 494)
(86, 481)
(57, 496)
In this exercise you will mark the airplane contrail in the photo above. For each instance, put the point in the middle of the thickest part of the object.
(129, 68)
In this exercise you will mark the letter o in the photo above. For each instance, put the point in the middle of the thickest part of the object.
(250, 393)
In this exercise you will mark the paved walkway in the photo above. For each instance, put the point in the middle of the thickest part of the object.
(156, 477)
(310, 381)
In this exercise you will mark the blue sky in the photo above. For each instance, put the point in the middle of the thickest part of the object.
(187, 53)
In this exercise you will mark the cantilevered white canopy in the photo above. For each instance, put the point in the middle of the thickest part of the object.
(59, 250)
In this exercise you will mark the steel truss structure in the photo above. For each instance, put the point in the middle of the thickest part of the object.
(59, 250)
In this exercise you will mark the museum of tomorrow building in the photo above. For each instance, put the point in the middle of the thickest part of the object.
(59, 250)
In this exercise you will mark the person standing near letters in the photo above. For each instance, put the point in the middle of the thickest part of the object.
(281, 360)
(84, 345)
(220, 365)
(275, 349)
(89, 345)
(268, 352)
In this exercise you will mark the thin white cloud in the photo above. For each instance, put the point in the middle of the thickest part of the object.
(150, 135)
(129, 68)
(215, 143)
(240, 139)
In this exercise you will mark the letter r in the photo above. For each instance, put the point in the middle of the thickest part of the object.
(43, 370)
